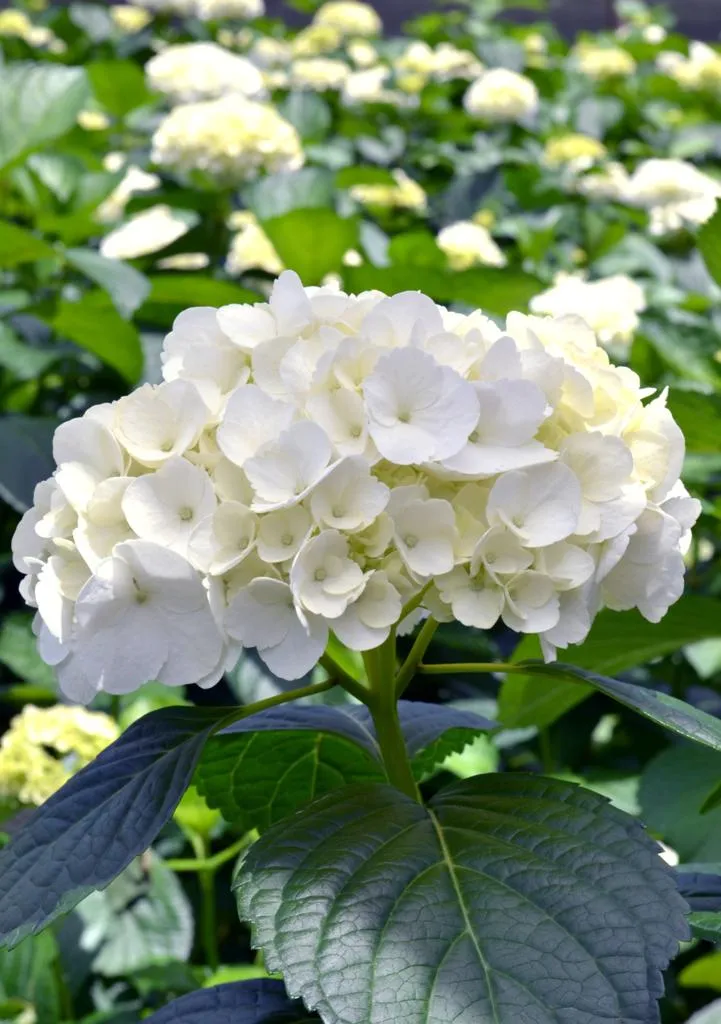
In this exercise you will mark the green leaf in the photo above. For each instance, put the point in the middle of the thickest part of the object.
(702, 973)
(30, 972)
(263, 768)
(119, 85)
(260, 1001)
(26, 457)
(102, 818)
(97, 327)
(486, 288)
(277, 194)
(19, 651)
(672, 786)
(709, 243)
(312, 242)
(142, 918)
(508, 898)
(699, 417)
(40, 103)
(125, 285)
(713, 800)
(169, 295)
(617, 642)
(661, 708)
(309, 114)
(706, 924)
(23, 361)
(20, 246)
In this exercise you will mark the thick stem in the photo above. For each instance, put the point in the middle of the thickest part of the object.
(382, 703)
(208, 922)
(419, 648)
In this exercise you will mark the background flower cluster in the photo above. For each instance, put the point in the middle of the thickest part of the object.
(179, 155)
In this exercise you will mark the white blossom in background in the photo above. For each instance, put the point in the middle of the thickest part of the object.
(310, 464)
(603, 62)
(675, 193)
(144, 233)
(212, 10)
(700, 70)
(231, 139)
(442, 63)
(403, 194)
(609, 306)
(202, 71)
(250, 247)
(351, 18)
(319, 74)
(501, 95)
(135, 181)
(467, 244)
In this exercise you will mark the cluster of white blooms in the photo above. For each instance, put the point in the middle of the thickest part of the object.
(602, 62)
(700, 70)
(609, 306)
(319, 73)
(674, 192)
(313, 463)
(232, 139)
(502, 95)
(574, 151)
(467, 244)
(441, 63)
(403, 194)
(206, 10)
(350, 18)
(134, 181)
(145, 233)
(202, 71)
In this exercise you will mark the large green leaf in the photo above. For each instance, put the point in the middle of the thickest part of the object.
(39, 103)
(125, 285)
(20, 246)
(699, 417)
(261, 1001)
(709, 242)
(277, 194)
(261, 769)
(142, 918)
(486, 288)
(659, 707)
(119, 85)
(672, 787)
(308, 113)
(96, 326)
(170, 294)
(312, 242)
(706, 924)
(508, 898)
(617, 642)
(26, 457)
(101, 819)
(30, 972)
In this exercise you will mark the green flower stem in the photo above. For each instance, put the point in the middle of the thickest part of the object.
(345, 679)
(280, 698)
(208, 920)
(216, 861)
(470, 666)
(382, 703)
(419, 648)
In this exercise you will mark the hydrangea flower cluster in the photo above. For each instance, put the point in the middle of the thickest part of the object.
(314, 463)
(231, 139)
(610, 306)
(202, 71)
(501, 96)
(45, 746)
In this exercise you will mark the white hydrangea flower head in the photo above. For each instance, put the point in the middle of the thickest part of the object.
(213, 10)
(202, 71)
(312, 463)
(351, 18)
(675, 193)
(701, 70)
(610, 305)
(232, 139)
(501, 95)
(319, 74)
(403, 194)
(603, 62)
(467, 244)
(250, 247)
(442, 63)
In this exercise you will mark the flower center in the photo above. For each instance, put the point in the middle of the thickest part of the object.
(404, 417)
(410, 540)
(186, 513)
(320, 575)
(337, 511)
(286, 540)
(355, 432)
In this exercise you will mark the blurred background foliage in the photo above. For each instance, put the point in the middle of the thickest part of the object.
(102, 244)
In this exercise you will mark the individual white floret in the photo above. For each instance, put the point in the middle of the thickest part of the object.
(540, 505)
(348, 497)
(86, 453)
(418, 411)
(156, 422)
(284, 471)
(282, 534)
(223, 539)
(165, 507)
(366, 622)
(197, 350)
(103, 523)
(252, 419)
(425, 534)
(323, 578)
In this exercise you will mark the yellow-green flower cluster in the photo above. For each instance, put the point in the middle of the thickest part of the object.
(45, 746)
(602, 62)
(575, 150)
(403, 194)
(231, 138)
